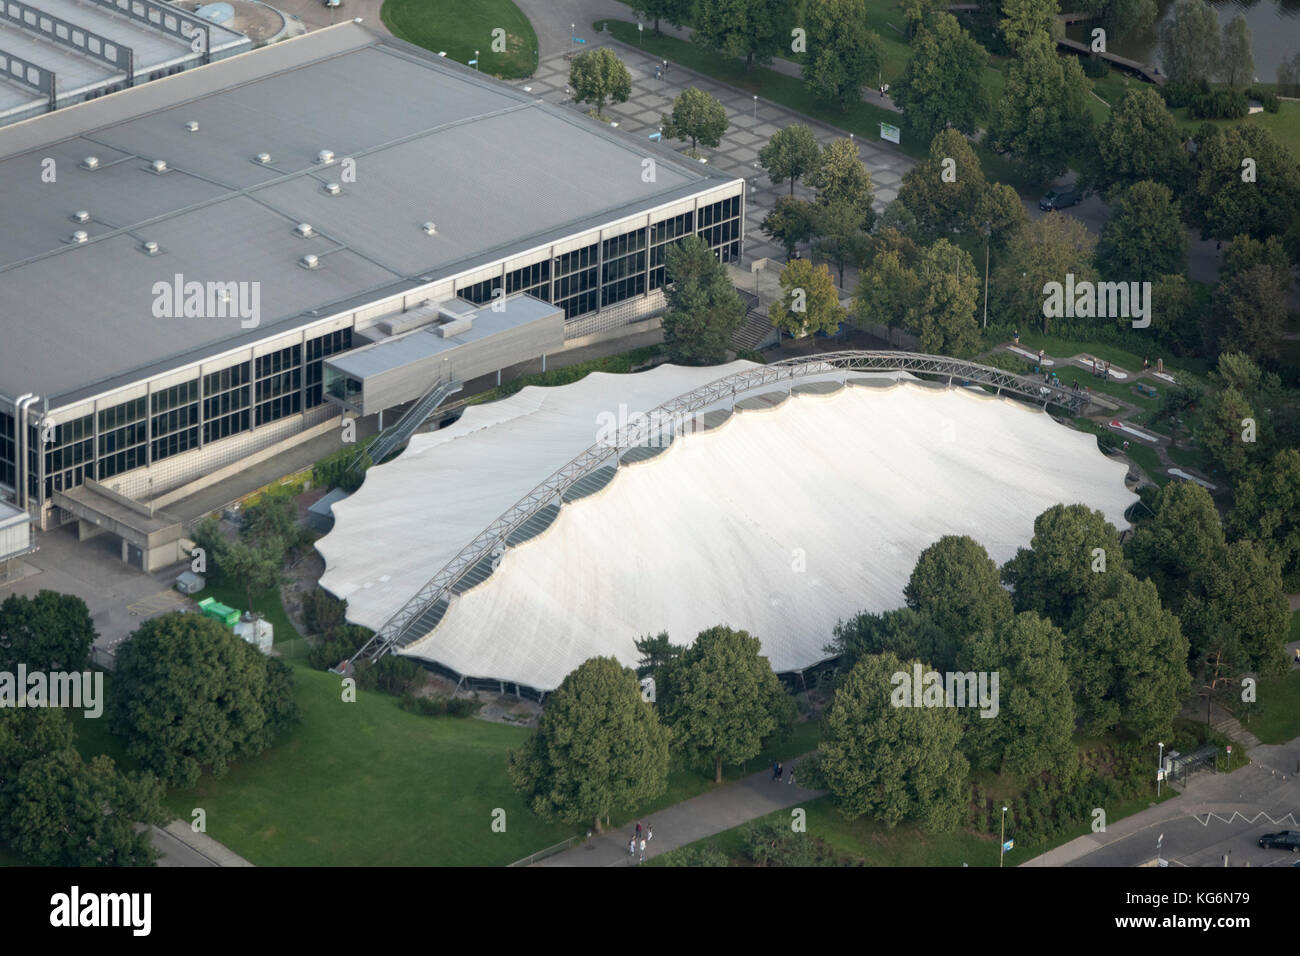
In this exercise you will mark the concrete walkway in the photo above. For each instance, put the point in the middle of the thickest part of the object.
(181, 846)
(706, 815)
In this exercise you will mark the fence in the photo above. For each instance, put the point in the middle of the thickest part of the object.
(532, 858)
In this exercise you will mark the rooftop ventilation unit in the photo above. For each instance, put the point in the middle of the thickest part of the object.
(304, 230)
(325, 156)
(90, 162)
(429, 229)
(150, 248)
(263, 158)
(192, 126)
(332, 189)
(79, 236)
(309, 261)
(158, 166)
(81, 216)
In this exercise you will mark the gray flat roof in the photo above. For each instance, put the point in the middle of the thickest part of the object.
(73, 71)
(401, 350)
(497, 171)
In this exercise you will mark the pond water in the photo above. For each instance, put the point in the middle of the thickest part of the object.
(1274, 33)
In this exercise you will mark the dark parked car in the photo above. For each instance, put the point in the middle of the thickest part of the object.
(1060, 198)
(1282, 840)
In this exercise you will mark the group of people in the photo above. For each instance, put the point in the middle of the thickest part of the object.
(1103, 371)
(778, 769)
(639, 840)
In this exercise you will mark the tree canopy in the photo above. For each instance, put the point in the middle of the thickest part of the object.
(599, 75)
(51, 631)
(703, 308)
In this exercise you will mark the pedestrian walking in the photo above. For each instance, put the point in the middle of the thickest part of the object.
(775, 772)
(780, 769)
(649, 832)
(1160, 365)
(1015, 337)
(1041, 355)
(790, 779)
(638, 829)
(643, 849)
(1145, 365)
(631, 847)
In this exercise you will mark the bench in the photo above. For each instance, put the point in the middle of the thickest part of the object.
(1148, 390)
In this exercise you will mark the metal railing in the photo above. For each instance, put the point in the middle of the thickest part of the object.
(551, 491)
(415, 416)
(532, 858)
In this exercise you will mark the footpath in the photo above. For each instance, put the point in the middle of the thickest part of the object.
(706, 815)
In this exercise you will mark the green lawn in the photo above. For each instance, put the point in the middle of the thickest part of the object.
(1284, 124)
(287, 639)
(1278, 719)
(460, 29)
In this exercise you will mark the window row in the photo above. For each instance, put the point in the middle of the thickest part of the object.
(673, 228)
(279, 408)
(623, 289)
(622, 245)
(125, 437)
(528, 278)
(226, 379)
(169, 398)
(170, 445)
(718, 211)
(280, 361)
(480, 292)
(175, 420)
(127, 412)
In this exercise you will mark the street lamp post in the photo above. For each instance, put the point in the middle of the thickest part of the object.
(1160, 768)
(476, 60)
(1002, 846)
(573, 31)
(755, 107)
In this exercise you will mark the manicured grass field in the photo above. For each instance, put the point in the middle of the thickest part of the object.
(1279, 717)
(459, 29)
(1284, 124)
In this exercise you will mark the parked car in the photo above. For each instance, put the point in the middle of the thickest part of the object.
(1282, 840)
(1060, 198)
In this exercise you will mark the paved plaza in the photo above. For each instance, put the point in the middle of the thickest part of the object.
(752, 124)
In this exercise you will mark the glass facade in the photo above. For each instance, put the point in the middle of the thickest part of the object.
(480, 292)
(318, 349)
(720, 228)
(535, 280)
(175, 422)
(8, 450)
(575, 280)
(70, 454)
(279, 384)
(225, 402)
(122, 436)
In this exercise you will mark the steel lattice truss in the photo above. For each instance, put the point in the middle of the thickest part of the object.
(671, 416)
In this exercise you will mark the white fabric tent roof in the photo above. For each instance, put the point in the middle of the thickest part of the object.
(414, 514)
(849, 487)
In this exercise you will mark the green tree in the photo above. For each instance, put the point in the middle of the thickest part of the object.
(1138, 140)
(598, 746)
(1244, 253)
(1123, 18)
(810, 302)
(189, 695)
(1144, 237)
(945, 190)
(754, 29)
(956, 584)
(657, 654)
(257, 567)
(1128, 657)
(722, 700)
(950, 292)
(676, 12)
(1044, 250)
(274, 516)
(1183, 538)
(1250, 313)
(792, 153)
(1000, 214)
(1031, 732)
(888, 292)
(1266, 507)
(841, 176)
(1265, 203)
(1223, 431)
(892, 763)
(1025, 20)
(903, 632)
(50, 631)
(838, 234)
(66, 812)
(1237, 66)
(598, 75)
(790, 222)
(1240, 594)
(1067, 567)
(941, 85)
(696, 116)
(703, 308)
(1189, 42)
(1042, 118)
(843, 54)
